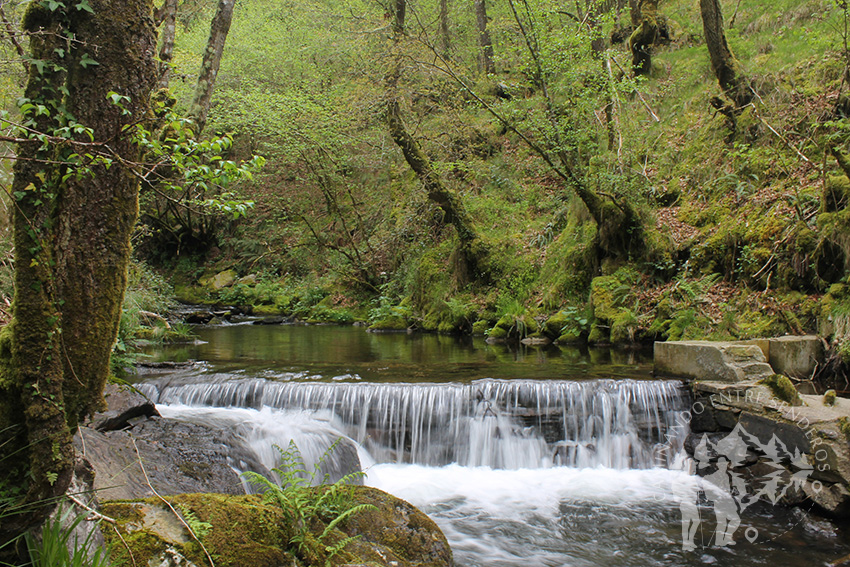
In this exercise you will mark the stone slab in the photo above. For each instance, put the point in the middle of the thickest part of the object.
(711, 360)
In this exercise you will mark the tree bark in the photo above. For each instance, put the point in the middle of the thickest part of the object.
(484, 41)
(644, 36)
(635, 12)
(726, 67)
(166, 49)
(71, 242)
(445, 37)
(219, 29)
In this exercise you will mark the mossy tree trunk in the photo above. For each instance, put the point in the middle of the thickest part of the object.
(644, 36)
(484, 42)
(219, 28)
(471, 250)
(620, 232)
(168, 13)
(71, 241)
(725, 65)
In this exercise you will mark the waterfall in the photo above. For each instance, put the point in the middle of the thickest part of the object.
(502, 424)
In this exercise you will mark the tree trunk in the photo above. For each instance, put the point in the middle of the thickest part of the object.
(212, 61)
(644, 36)
(445, 38)
(471, 249)
(71, 242)
(635, 12)
(484, 41)
(166, 48)
(726, 67)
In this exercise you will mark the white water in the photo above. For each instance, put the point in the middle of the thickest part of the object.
(516, 474)
(523, 518)
(496, 423)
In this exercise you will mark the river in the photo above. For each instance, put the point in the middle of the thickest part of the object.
(524, 456)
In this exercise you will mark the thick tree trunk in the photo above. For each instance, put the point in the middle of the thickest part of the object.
(166, 48)
(726, 67)
(72, 242)
(445, 37)
(212, 61)
(484, 41)
(644, 36)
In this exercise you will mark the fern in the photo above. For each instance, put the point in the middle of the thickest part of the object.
(302, 503)
(200, 528)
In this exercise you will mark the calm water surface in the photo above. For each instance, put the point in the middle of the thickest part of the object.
(329, 351)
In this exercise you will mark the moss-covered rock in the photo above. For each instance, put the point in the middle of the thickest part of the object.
(244, 531)
(624, 327)
(783, 389)
(219, 281)
(389, 323)
(514, 328)
(829, 398)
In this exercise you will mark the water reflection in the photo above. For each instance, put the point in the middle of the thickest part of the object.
(329, 351)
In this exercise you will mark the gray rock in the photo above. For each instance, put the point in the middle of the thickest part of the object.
(125, 404)
(177, 457)
(708, 360)
(270, 320)
(795, 356)
(791, 435)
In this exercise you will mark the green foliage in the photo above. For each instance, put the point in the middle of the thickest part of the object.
(829, 398)
(302, 504)
(52, 548)
(188, 195)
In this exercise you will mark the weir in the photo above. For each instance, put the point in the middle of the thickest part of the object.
(502, 424)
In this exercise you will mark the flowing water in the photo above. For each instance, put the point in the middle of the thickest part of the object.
(551, 457)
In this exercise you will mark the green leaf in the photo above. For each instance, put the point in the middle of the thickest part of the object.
(86, 61)
(83, 5)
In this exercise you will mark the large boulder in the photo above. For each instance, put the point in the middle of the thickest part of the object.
(245, 531)
(164, 455)
(125, 405)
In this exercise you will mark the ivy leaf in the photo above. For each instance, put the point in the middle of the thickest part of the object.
(86, 61)
(83, 5)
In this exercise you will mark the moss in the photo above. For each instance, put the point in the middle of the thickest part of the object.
(192, 295)
(844, 427)
(836, 194)
(783, 389)
(829, 398)
(245, 532)
(266, 310)
(480, 327)
(570, 337)
(390, 323)
(599, 335)
(554, 325)
(609, 293)
(623, 327)
(569, 266)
